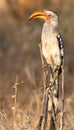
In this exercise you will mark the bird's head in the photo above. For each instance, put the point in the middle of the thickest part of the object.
(49, 17)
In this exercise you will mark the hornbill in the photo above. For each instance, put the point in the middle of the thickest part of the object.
(52, 46)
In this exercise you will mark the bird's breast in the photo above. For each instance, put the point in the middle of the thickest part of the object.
(49, 43)
(50, 47)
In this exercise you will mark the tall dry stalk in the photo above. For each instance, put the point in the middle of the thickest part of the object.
(62, 95)
(14, 96)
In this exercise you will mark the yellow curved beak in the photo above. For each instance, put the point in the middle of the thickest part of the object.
(38, 14)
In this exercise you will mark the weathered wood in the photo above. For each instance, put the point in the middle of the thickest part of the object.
(47, 120)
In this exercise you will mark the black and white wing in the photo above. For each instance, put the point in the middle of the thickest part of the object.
(61, 44)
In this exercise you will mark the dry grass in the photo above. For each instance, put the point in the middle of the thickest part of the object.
(27, 118)
(19, 55)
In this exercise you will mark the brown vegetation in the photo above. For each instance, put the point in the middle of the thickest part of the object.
(19, 55)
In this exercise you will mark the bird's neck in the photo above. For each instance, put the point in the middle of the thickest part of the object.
(47, 32)
(49, 27)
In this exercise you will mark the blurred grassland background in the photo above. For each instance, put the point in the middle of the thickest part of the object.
(19, 52)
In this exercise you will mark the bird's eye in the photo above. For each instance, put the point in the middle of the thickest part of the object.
(49, 15)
